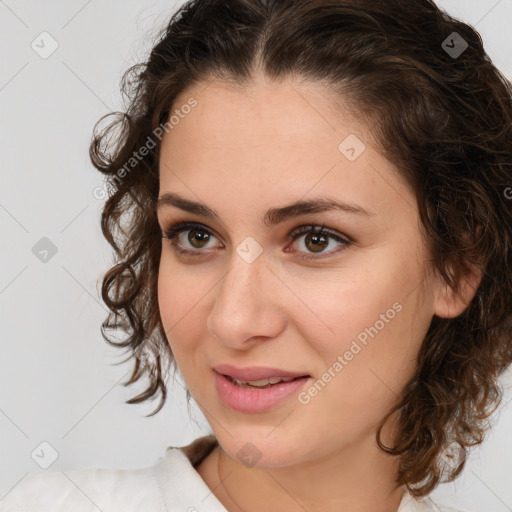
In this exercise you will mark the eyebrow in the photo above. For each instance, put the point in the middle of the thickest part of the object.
(273, 216)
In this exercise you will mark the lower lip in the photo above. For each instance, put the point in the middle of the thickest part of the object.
(252, 399)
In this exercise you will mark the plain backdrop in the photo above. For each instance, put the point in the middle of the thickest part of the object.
(59, 384)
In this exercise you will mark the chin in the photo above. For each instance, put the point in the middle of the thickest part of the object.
(255, 449)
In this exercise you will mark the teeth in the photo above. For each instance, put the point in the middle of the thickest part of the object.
(262, 383)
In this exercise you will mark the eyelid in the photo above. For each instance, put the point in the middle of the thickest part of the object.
(319, 229)
(178, 227)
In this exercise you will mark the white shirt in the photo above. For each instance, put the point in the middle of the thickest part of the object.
(172, 484)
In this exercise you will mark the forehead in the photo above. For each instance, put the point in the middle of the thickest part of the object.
(268, 139)
(263, 110)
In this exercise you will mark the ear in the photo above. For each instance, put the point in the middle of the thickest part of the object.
(449, 303)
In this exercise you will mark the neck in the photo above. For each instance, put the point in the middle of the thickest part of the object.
(359, 478)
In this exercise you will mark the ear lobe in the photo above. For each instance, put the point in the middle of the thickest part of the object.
(449, 303)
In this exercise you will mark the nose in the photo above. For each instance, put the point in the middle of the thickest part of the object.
(246, 307)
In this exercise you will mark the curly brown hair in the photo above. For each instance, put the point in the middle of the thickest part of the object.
(442, 113)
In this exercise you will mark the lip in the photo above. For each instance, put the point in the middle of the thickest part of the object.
(255, 400)
(255, 372)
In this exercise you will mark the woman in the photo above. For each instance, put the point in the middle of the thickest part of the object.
(309, 208)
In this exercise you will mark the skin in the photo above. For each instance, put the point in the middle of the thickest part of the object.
(241, 151)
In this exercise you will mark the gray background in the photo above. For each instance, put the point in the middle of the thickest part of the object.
(59, 384)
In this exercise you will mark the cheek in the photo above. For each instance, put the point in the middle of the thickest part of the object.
(169, 287)
(373, 323)
(182, 299)
(176, 295)
(341, 308)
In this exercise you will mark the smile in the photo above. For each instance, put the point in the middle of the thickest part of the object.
(257, 396)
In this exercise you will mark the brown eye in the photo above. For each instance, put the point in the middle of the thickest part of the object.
(317, 239)
(193, 244)
(316, 242)
(198, 238)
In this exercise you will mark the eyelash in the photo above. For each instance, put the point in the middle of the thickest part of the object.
(174, 230)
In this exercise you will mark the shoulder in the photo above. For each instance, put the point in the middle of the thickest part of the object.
(425, 504)
(436, 507)
(442, 508)
(84, 490)
(171, 483)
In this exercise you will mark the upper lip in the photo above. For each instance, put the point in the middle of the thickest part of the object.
(255, 372)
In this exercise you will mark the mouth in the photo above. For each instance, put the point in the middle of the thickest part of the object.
(262, 383)
(255, 374)
(258, 395)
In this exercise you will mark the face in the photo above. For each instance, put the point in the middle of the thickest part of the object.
(348, 307)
